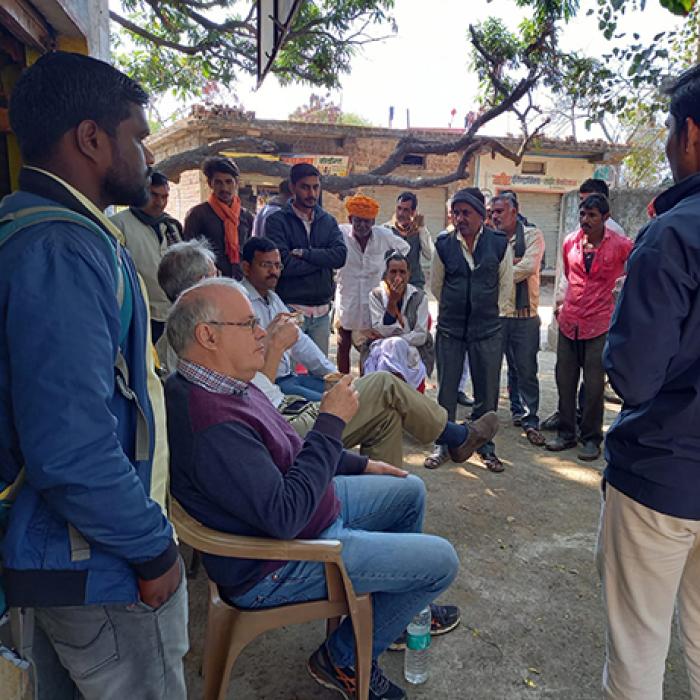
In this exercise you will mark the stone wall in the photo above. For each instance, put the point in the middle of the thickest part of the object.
(627, 207)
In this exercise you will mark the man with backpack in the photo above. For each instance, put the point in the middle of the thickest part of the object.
(88, 554)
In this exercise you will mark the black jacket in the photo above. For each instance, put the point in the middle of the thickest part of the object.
(653, 361)
(308, 279)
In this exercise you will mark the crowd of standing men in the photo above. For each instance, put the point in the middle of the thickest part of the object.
(240, 309)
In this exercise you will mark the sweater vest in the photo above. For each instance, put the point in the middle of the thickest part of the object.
(469, 298)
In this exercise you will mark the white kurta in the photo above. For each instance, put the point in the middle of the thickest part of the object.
(361, 273)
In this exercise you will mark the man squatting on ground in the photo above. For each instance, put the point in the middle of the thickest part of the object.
(648, 544)
(237, 466)
(388, 406)
(408, 225)
(88, 553)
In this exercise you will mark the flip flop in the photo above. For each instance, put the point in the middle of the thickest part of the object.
(535, 437)
(436, 459)
(492, 463)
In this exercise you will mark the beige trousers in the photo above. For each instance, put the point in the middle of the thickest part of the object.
(646, 560)
(388, 406)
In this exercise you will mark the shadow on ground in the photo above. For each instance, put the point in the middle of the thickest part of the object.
(530, 597)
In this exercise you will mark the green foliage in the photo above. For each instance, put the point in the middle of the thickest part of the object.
(678, 7)
(181, 45)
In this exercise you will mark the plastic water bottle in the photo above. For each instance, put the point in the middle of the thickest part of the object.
(417, 648)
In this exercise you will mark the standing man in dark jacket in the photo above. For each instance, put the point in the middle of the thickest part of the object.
(472, 278)
(222, 220)
(88, 553)
(648, 551)
(312, 248)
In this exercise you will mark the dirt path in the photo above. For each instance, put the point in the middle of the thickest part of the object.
(528, 589)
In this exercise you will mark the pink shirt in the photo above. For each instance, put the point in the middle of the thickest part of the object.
(589, 302)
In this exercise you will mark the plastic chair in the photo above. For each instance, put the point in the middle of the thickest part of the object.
(230, 629)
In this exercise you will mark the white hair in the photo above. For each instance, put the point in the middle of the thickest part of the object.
(192, 309)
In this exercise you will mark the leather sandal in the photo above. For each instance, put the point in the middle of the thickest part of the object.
(535, 437)
(437, 458)
(492, 463)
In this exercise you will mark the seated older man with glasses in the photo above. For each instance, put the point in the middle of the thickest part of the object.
(262, 266)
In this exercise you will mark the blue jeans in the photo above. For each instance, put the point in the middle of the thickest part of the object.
(306, 385)
(521, 343)
(318, 329)
(385, 554)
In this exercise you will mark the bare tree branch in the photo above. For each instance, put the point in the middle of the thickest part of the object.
(174, 166)
(160, 41)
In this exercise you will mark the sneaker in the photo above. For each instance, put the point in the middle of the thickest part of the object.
(518, 419)
(589, 451)
(342, 680)
(444, 619)
(480, 432)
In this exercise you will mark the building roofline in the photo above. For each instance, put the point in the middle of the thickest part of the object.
(597, 148)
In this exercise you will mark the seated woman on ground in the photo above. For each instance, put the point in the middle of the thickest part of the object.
(399, 340)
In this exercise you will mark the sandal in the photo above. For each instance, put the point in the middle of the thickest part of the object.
(437, 458)
(492, 463)
(535, 437)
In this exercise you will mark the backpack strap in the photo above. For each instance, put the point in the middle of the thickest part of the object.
(17, 221)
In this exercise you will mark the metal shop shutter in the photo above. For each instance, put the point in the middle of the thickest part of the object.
(431, 203)
(543, 209)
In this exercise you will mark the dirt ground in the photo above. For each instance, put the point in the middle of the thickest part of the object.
(528, 589)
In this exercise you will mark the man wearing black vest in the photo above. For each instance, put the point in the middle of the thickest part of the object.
(471, 273)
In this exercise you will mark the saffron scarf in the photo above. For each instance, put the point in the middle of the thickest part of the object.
(231, 216)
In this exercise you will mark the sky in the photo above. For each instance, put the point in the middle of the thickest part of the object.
(425, 67)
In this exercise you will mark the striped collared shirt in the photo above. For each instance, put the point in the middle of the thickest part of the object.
(210, 379)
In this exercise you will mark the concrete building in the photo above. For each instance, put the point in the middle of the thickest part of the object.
(550, 168)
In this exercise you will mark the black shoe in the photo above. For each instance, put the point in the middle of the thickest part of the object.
(551, 423)
(558, 444)
(518, 419)
(589, 451)
(342, 680)
(444, 619)
(464, 400)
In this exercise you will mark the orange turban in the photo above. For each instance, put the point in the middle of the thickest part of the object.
(363, 206)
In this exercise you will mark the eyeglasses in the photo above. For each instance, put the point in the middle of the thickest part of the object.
(251, 323)
(267, 265)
